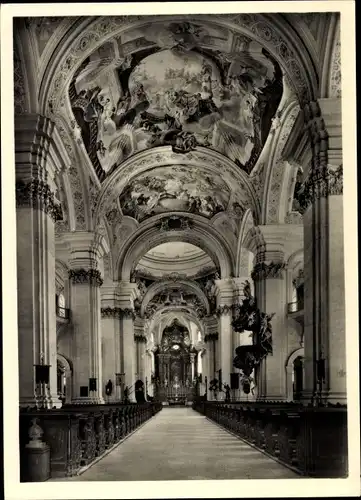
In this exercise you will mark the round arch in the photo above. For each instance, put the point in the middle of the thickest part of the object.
(289, 368)
(208, 160)
(170, 314)
(88, 34)
(200, 234)
(164, 285)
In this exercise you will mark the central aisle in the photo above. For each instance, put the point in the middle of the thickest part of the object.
(181, 444)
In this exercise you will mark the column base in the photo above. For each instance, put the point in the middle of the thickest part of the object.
(56, 402)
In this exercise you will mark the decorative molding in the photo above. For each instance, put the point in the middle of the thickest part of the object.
(175, 223)
(128, 313)
(224, 310)
(263, 271)
(210, 337)
(37, 194)
(85, 276)
(321, 183)
(111, 312)
(335, 80)
(20, 106)
(140, 339)
(74, 177)
(317, 133)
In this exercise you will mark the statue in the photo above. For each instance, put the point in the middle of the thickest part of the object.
(228, 393)
(126, 395)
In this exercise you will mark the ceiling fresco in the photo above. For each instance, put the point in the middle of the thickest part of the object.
(174, 188)
(177, 91)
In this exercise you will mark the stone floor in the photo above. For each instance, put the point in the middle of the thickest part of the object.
(180, 444)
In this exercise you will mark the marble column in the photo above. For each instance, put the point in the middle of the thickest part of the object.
(86, 250)
(324, 337)
(39, 157)
(111, 339)
(224, 294)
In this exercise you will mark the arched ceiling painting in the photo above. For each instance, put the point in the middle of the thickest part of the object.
(175, 188)
(176, 90)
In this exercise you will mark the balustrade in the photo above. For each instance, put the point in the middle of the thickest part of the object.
(296, 435)
(77, 435)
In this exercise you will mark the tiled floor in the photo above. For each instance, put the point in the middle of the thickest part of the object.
(180, 444)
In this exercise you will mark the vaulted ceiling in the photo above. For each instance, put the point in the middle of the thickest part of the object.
(162, 115)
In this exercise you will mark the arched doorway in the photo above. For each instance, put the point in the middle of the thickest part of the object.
(295, 375)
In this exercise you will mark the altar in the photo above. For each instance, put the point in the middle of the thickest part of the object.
(175, 364)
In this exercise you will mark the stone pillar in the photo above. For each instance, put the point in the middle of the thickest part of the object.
(39, 156)
(276, 244)
(128, 292)
(239, 338)
(193, 370)
(224, 294)
(141, 342)
(86, 251)
(322, 203)
(111, 339)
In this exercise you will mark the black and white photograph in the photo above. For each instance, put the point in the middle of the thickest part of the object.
(182, 307)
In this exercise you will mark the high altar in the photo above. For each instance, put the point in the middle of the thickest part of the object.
(176, 366)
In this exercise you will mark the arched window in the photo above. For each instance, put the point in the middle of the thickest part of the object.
(60, 305)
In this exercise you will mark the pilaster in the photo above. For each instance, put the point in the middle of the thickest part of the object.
(37, 162)
(324, 292)
(86, 250)
(128, 292)
(224, 295)
(277, 243)
(111, 339)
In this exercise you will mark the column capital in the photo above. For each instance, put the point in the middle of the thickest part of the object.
(111, 312)
(273, 270)
(83, 276)
(321, 183)
(140, 339)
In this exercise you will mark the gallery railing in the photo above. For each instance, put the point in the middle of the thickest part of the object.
(62, 313)
(310, 440)
(77, 435)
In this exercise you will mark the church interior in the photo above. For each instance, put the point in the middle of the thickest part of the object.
(179, 211)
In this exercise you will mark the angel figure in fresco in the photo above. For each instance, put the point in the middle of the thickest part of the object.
(178, 36)
(89, 77)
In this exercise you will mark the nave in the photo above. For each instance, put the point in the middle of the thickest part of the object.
(181, 444)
